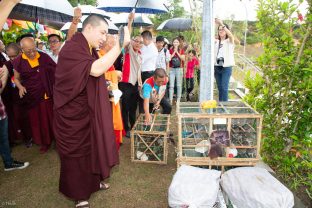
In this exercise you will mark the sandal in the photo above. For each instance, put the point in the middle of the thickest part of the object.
(104, 186)
(82, 204)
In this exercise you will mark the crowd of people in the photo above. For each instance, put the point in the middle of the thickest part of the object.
(69, 94)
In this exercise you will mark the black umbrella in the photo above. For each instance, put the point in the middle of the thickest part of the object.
(54, 13)
(176, 24)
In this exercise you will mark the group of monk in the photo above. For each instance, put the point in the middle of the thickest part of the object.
(68, 95)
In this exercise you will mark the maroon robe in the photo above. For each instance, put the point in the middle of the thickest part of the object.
(38, 82)
(83, 122)
(18, 123)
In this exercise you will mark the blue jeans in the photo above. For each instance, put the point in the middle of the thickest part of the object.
(4, 143)
(175, 73)
(222, 75)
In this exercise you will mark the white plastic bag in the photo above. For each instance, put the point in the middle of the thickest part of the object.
(251, 187)
(194, 188)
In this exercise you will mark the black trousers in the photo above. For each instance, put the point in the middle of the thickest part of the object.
(189, 87)
(166, 107)
(129, 103)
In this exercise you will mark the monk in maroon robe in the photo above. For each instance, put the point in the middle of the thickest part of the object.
(83, 123)
(34, 77)
(18, 124)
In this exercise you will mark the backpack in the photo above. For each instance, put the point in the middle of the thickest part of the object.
(175, 62)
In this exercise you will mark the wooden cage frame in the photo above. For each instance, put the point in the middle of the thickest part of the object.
(220, 161)
(151, 132)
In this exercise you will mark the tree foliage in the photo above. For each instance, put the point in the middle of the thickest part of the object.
(74, 3)
(283, 92)
(175, 10)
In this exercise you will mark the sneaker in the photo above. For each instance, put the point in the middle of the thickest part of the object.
(16, 165)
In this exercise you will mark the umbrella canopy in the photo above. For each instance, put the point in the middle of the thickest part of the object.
(141, 6)
(112, 29)
(88, 9)
(54, 13)
(139, 20)
(176, 24)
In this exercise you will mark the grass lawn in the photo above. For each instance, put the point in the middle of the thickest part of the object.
(132, 185)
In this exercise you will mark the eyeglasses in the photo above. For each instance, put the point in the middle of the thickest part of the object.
(29, 51)
(137, 41)
(53, 41)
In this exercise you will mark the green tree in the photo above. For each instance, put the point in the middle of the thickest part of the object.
(175, 10)
(74, 3)
(283, 92)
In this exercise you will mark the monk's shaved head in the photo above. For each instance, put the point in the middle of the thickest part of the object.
(28, 42)
(94, 29)
(94, 20)
(28, 46)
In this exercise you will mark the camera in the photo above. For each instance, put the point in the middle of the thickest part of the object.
(220, 61)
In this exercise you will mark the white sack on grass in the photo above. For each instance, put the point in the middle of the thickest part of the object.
(194, 187)
(251, 187)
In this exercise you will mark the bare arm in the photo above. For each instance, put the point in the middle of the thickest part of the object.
(228, 32)
(182, 57)
(100, 66)
(3, 77)
(74, 25)
(130, 21)
(6, 7)
(148, 117)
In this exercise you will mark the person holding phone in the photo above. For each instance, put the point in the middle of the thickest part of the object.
(224, 59)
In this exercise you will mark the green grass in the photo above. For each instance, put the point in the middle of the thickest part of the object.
(132, 184)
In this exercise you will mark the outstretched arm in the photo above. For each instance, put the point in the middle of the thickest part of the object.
(6, 7)
(228, 32)
(74, 25)
(100, 66)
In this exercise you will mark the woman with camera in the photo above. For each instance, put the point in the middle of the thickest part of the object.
(224, 59)
(176, 68)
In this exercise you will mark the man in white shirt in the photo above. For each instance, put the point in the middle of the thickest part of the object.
(163, 57)
(55, 43)
(149, 55)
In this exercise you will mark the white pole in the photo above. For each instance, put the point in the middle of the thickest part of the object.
(207, 54)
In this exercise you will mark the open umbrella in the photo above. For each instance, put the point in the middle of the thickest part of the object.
(112, 29)
(141, 6)
(88, 9)
(176, 24)
(54, 13)
(139, 20)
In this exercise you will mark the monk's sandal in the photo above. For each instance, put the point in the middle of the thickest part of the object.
(82, 204)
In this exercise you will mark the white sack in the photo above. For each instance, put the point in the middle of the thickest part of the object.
(194, 187)
(251, 187)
